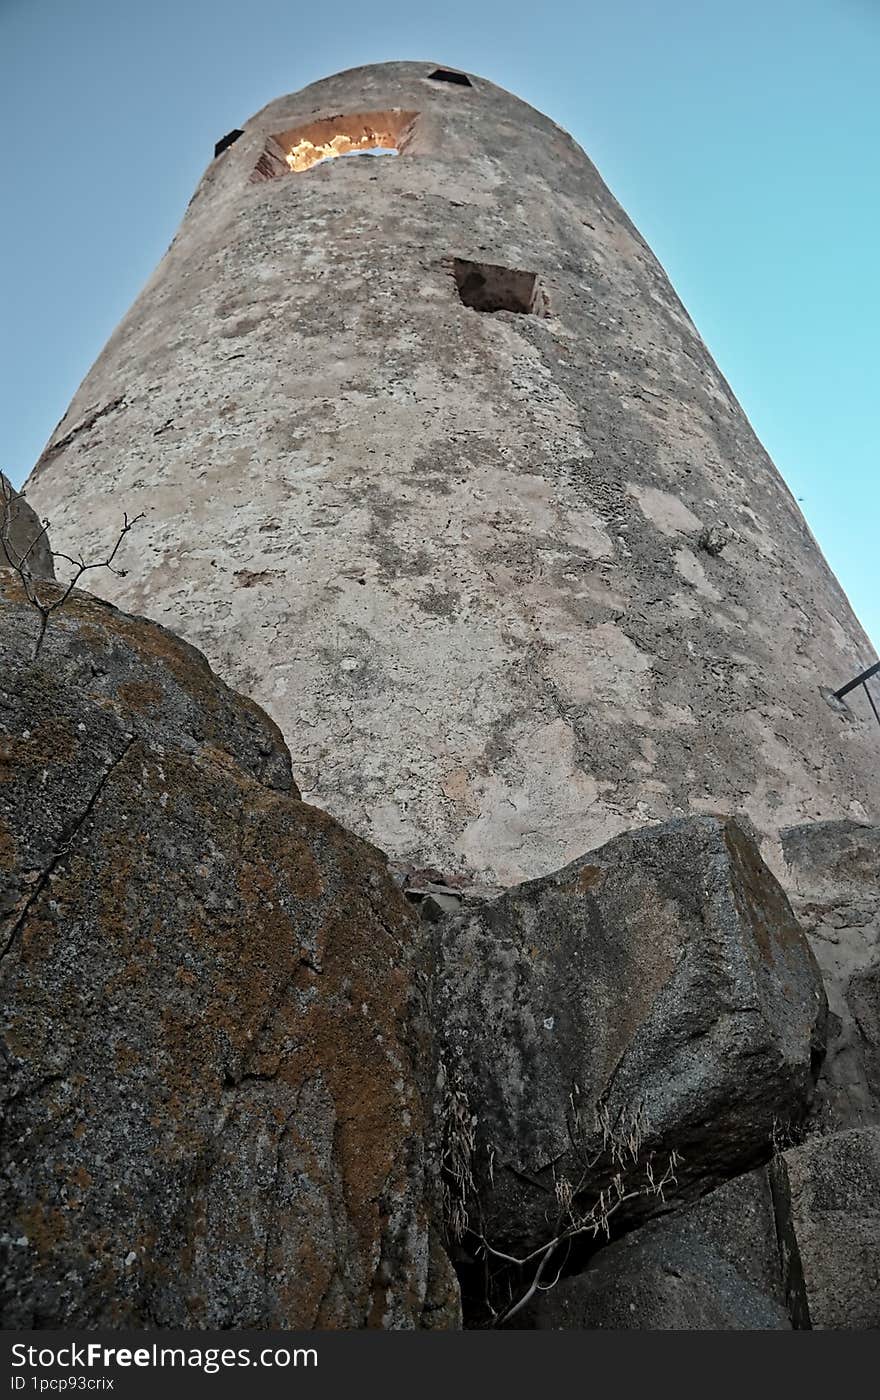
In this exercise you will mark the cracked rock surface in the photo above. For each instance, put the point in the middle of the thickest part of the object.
(655, 997)
(214, 1044)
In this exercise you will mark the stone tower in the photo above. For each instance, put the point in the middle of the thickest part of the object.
(436, 468)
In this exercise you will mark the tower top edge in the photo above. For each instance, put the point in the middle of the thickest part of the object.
(393, 83)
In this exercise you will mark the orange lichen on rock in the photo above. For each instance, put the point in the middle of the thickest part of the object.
(219, 982)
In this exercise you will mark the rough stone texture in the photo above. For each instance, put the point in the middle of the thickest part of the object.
(656, 995)
(23, 542)
(834, 1184)
(833, 876)
(468, 561)
(713, 1266)
(215, 1048)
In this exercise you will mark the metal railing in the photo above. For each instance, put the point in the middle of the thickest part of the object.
(861, 680)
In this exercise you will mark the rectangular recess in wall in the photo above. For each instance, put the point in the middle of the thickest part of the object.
(450, 75)
(298, 149)
(491, 287)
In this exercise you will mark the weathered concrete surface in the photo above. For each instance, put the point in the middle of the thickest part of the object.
(834, 1184)
(214, 1043)
(655, 997)
(715, 1266)
(833, 877)
(24, 544)
(475, 565)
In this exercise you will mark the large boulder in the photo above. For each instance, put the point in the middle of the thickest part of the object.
(215, 1043)
(832, 1185)
(833, 878)
(24, 544)
(715, 1266)
(636, 1027)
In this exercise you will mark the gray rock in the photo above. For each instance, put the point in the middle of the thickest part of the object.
(436, 905)
(654, 997)
(434, 901)
(714, 1265)
(834, 1192)
(715, 539)
(216, 1050)
(834, 882)
(103, 680)
(24, 543)
(863, 1000)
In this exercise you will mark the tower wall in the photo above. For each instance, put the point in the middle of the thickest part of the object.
(510, 581)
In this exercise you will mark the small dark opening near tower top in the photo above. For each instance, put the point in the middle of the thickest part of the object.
(449, 75)
(226, 141)
(488, 287)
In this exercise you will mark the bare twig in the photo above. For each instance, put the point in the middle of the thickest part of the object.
(570, 1225)
(456, 1158)
(621, 1143)
(21, 562)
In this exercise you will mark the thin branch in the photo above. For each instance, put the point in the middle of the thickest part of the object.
(19, 562)
(569, 1226)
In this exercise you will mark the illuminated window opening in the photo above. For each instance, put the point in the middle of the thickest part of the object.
(489, 287)
(297, 150)
(449, 75)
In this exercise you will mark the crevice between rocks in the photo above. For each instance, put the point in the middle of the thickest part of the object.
(790, 1264)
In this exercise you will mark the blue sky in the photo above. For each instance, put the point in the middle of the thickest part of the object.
(742, 138)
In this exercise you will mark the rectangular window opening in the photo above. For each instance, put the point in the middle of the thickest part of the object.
(449, 75)
(226, 141)
(360, 133)
(490, 287)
